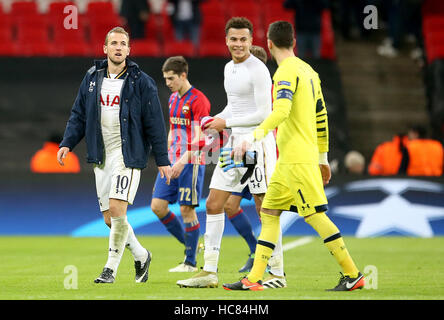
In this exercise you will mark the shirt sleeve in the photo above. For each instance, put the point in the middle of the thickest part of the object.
(321, 119)
(262, 98)
(226, 113)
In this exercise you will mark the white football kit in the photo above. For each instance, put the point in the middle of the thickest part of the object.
(113, 179)
(248, 88)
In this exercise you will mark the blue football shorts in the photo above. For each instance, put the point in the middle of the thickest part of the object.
(186, 189)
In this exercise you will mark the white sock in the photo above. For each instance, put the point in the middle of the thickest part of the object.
(276, 261)
(139, 253)
(215, 225)
(117, 240)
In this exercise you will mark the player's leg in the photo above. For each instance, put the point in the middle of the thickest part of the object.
(121, 183)
(265, 246)
(163, 195)
(190, 184)
(242, 225)
(132, 244)
(192, 233)
(215, 224)
(168, 219)
(277, 196)
(258, 186)
(312, 204)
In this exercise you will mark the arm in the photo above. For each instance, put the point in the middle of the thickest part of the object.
(321, 119)
(285, 87)
(225, 114)
(153, 122)
(75, 127)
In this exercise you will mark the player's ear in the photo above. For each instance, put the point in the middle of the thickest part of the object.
(105, 49)
(294, 43)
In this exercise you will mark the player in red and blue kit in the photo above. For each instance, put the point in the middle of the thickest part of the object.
(187, 106)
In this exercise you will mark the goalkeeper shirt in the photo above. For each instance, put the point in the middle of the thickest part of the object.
(299, 113)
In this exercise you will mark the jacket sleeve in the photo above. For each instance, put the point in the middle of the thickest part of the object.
(75, 128)
(153, 122)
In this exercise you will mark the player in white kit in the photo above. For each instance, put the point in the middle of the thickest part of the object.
(118, 112)
(248, 85)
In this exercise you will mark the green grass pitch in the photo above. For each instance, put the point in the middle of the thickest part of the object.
(34, 268)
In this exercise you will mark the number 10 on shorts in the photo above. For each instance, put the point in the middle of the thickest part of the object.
(122, 184)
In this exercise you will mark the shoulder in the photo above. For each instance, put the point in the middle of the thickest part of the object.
(198, 93)
(145, 80)
(199, 97)
(91, 70)
(257, 69)
(254, 63)
(229, 65)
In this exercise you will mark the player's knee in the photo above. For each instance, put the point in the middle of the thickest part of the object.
(231, 209)
(188, 213)
(214, 207)
(159, 208)
(117, 207)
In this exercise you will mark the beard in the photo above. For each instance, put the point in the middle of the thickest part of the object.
(116, 62)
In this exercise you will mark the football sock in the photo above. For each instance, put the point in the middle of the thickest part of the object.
(139, 252)
(333, 240)
(173, 225)
(276, 262)
(192, 232)
(265, 245)
(215, 225)
(243, 227)
(117, 240)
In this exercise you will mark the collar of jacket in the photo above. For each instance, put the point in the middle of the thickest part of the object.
(103, 64)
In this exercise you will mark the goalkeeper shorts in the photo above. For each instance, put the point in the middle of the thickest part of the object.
(296, 187)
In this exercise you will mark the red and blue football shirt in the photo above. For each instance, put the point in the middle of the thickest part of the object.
(185, 114)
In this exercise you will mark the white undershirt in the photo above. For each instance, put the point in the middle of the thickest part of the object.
(248, 88)
(110, 105)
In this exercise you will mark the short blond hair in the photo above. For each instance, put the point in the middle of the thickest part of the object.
(117, 30)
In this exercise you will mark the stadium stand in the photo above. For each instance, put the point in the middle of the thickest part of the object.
(100, 16)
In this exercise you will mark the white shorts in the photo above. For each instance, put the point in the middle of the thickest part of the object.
(258, 182)
(115, 181)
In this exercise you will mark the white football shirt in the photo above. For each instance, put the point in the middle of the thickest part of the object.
(248, 88)
(110, 107)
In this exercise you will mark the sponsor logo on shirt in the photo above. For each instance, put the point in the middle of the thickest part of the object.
(180, 121)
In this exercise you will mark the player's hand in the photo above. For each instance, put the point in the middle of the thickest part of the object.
(240, 150)
(165, 172)
(177, 169)
(217, 124)
(227, 162)
(61, 154)
(326, 173)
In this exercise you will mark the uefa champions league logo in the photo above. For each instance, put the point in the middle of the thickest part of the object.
(396, 212)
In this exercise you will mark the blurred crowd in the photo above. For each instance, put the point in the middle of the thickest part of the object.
(412, 153)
